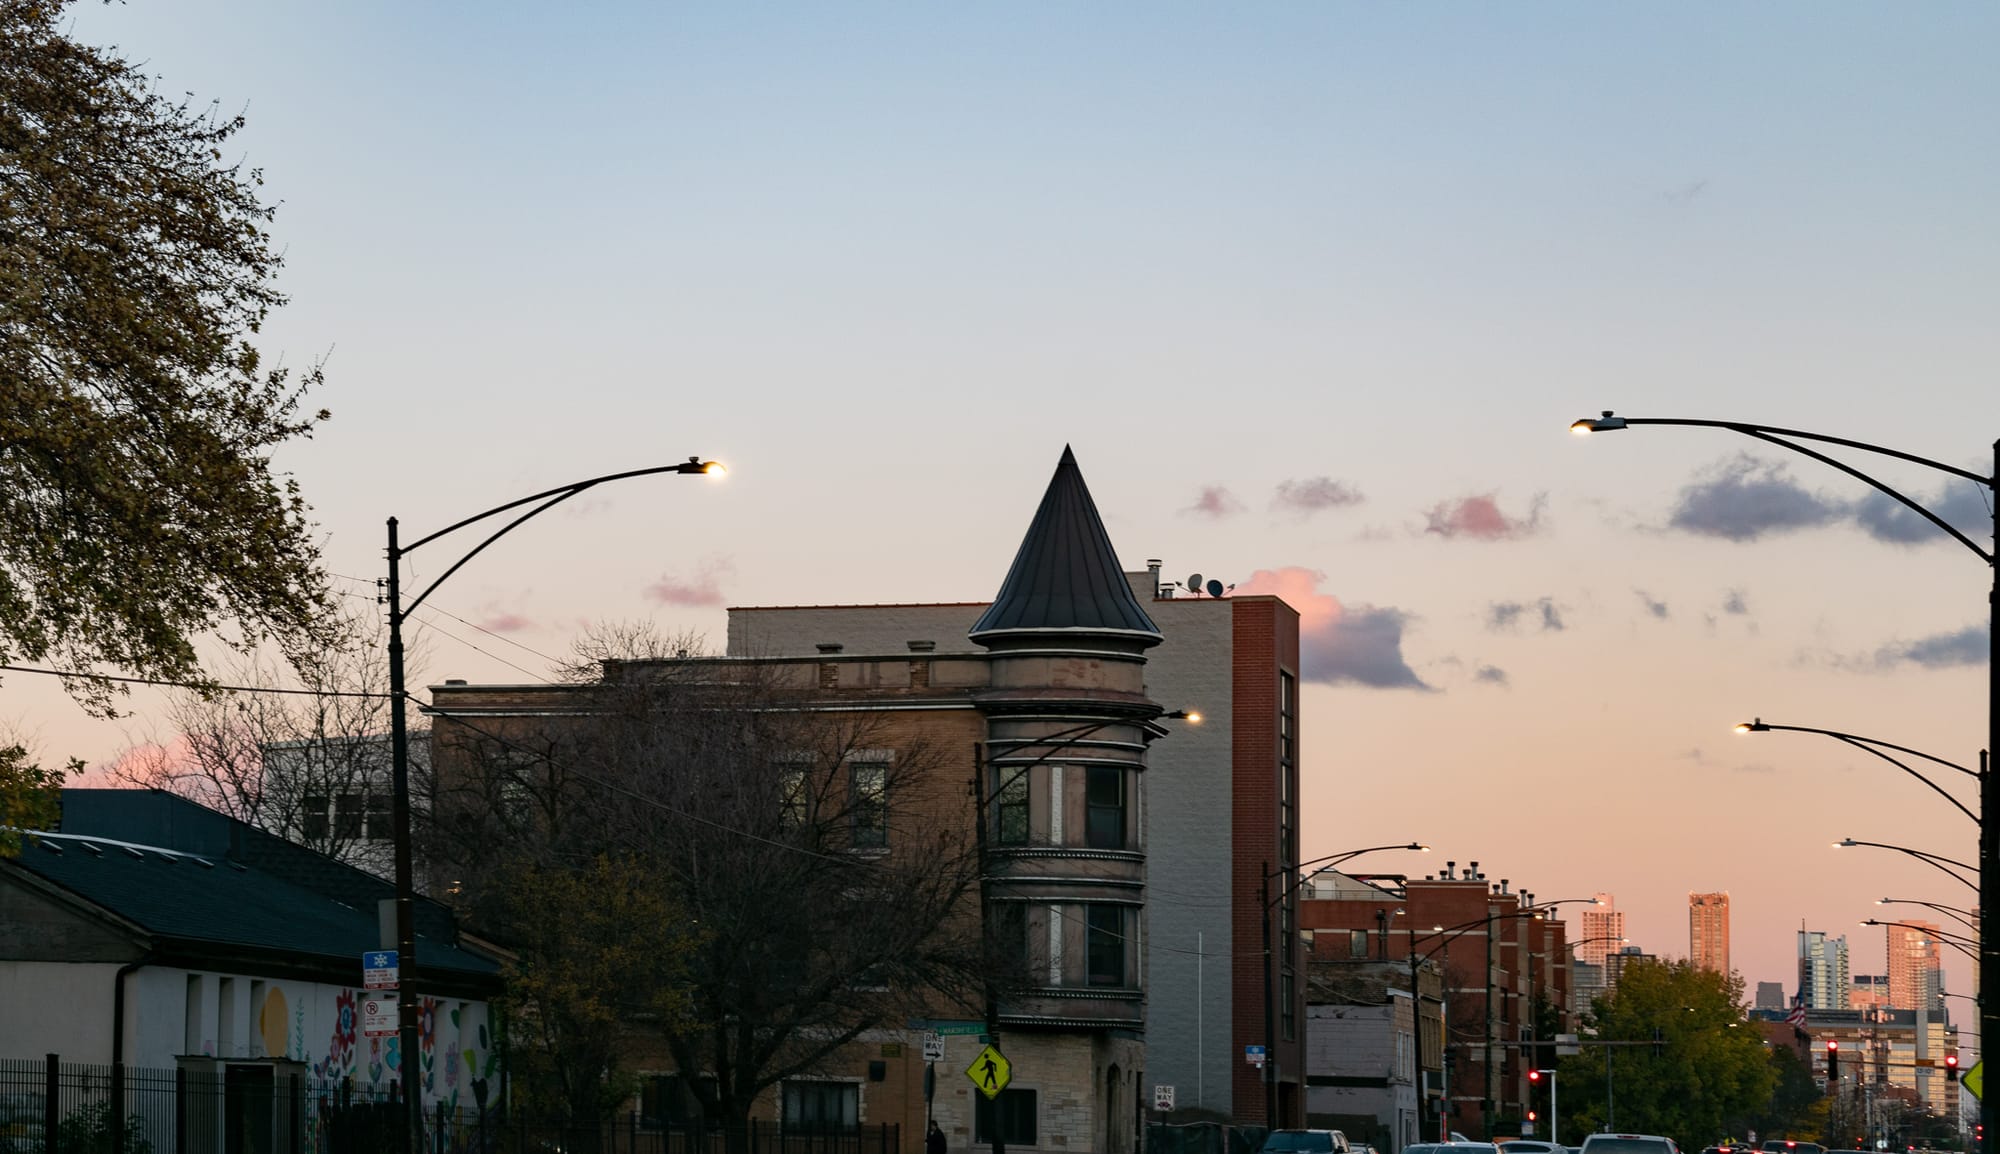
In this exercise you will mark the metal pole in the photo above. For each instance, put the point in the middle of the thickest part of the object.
(1486, 1063)
(409, 1061)
(1200, 1050)
(1555, 1130)
(998, 1143)
(1270, 1046)
(1417, 1032)
(1989, 838)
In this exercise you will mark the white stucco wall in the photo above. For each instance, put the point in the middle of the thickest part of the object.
(67, 1009)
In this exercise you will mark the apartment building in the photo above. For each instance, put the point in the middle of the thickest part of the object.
(1708, 932)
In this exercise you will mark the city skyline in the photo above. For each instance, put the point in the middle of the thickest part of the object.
(1314, 292)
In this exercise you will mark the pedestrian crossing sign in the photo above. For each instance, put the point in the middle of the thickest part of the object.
(1975, 1078)
(990, 1072)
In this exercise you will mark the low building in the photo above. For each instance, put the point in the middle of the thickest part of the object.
(1374, 1053)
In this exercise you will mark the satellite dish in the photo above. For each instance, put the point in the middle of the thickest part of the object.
(1214, 588)
(1194, 584)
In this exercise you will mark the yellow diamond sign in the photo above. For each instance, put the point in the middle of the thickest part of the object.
(1975, 1078)
(991, 1071)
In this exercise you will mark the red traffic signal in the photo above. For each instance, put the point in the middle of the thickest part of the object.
(1832, 1044)
(1536, 1075)
(1951, 1061)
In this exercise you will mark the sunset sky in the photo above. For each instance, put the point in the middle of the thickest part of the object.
(1314, 290)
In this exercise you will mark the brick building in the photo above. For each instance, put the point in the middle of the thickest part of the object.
(1708, 932)
(1056, 685)
(1501, 955)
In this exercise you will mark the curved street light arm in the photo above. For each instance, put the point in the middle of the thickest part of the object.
(1758, 725)
(1935, 787)
(1967, 946)
(1775, 435)
(1963, 917)
(1944, 865)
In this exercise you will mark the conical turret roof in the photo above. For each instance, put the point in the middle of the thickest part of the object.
(1066, 576)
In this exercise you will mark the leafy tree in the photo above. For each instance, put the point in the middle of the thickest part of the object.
(827, 863)
(139, 510)
(30, 796)
(1711, 1073)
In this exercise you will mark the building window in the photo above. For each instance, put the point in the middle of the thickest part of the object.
(870, 804)
(1104, 944)
(348, 812)
(313, 824)
(670, 1100)
(1013, 809)
(794, 798)
(381, 817)
(1010, 939)
(1357, 943)
(1104, 807)
(822, 1107)
(1010, 1118)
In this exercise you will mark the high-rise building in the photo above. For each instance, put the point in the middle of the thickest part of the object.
(1770, 995)
(1916, 969)
(1868, 992)
(1602, 931)
(1708, 931)
(1823, 974)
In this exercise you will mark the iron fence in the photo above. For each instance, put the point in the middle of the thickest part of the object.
(56, 1107)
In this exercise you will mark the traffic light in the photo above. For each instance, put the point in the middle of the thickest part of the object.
(1832, 1061)
(1536, 1075)
(1951, 1061)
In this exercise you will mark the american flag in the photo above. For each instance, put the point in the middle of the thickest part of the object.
(1798, 1015)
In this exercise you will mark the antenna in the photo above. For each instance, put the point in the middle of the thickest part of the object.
(1214, 587)
(1194, 584)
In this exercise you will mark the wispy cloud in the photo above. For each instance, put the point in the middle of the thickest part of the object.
(1480, 518)
(1742, 498)
(1502, 615)
(1491, 675)
(701, 590)
(1655, 607)
(1215, 501)
(497, 620)
(1967, 646)
(1309, 495)
(1734, 603)
(1358, 644)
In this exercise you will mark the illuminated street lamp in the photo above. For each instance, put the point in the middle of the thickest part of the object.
(399, 746)
(1949, 867)
(1964, 917)
(1989, 823)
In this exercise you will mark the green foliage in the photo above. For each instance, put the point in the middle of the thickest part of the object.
(594, 949)
(138, 506)
(88, 1130)
(30, 796)
(1711, 1075)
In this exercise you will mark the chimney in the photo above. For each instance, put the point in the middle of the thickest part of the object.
(1472, 873)
(1153, 576)
(1503, 885)
(1448, 868)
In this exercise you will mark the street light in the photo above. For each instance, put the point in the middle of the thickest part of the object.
(1967, 945)
(1945, 865)
(1875, 746)
(1056, 742)
(399, 746)
(1268, 903)
(1989, 821)
(1964, 917)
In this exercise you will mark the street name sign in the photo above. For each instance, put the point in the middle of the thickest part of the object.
(990, 1071)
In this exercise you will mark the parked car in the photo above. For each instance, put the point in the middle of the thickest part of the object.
(1629, 1144)
(1789, 1146)
(1458, 1146)
(1533, 1146)
(1305, 1142)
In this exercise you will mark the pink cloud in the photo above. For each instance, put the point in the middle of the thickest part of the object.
(1362, 644)
(703, 590)
(1480, 518)
(1215, 501)
(504, 621)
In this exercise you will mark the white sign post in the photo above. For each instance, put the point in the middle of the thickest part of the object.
(378, 1016)
(1163, 1099)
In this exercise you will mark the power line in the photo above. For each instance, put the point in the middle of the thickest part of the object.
(204, 685)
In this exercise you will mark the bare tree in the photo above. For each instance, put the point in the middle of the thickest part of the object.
(311, 766)
(823, 860)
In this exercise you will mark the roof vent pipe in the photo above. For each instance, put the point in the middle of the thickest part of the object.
(1448, 868)
(1153, 576)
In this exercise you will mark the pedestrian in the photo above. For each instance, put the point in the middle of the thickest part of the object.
(934, 1141)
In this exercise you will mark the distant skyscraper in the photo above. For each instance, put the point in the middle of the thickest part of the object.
(1770, 995)
(1823, 976)
(1868, 992)
(1916, 969)
(1708, 931)
(1603, 931)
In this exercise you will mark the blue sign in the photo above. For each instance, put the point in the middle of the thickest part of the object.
(380, 970)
